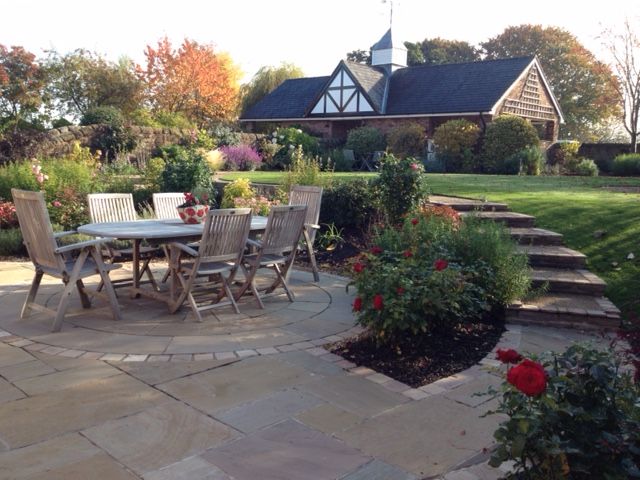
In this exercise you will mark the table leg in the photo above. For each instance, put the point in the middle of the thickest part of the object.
(135, 287)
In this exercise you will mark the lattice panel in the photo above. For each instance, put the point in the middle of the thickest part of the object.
(529, 105)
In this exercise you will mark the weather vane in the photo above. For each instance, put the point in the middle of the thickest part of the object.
(390, 2)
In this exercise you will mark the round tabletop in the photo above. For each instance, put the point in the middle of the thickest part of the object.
(154, 229)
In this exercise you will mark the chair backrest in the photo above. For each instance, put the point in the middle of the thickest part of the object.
(165, 205)
(283, 230)
(312, 198)
(36, 229)
(225, 234)
(111, 207)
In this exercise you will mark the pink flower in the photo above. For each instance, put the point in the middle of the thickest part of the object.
(56, 203)
(407, 254)
(414, 166)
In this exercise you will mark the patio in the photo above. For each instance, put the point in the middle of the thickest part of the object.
(249, 396)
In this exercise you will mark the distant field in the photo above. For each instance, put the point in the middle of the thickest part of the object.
(574, 206)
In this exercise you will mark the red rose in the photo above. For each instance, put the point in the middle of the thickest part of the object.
(400, 290)
(357, 304)
(508, 356)
(414, 221)
(528, 377)
(378, 302)
(440, 264)
(358, 267)
(376, 250)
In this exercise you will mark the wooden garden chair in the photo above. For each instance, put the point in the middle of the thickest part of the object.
(220, 252)
(275, 250)
(165, 205)
(50, 259)
(312, 198)
(119, 207)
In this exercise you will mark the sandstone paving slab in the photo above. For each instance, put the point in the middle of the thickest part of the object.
(36, 459)
(235, 384)
(159, 436)
(378, 470)
(311, 363)
(192, 468)
(266, 411)
(12, 356)
(34, 419)
(473, 394)
(66, 378)
(9, 393)
(328, 418)
(426, 437)
(94, 341)
(355, 394)
(538, 341)
(287, 450)
(311, 307)
(160, 372)
(317, 327)
(99, 466)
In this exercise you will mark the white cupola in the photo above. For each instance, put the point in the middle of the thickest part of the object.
(389, 53)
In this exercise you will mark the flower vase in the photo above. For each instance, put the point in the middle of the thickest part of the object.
(194, 214)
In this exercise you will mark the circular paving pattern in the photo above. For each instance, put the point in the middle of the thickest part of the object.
(321, 314)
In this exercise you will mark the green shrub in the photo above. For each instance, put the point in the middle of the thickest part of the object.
(365, 140)
(435, 272)
(11, 243)
(60, 122)
(505, 136)
(239, 188)
(585, 167)
(289, 139)
(112, 136)
(304, 170)
(185, 170)
(172, 120)
(573, 415)
(528, 161)
(562, 152)
(16, 175)
(401, 185)
(337, 160)
(626, 165)
(455, 141)
(152, 173)
(350, 205)
(407, 140)
(224, 135)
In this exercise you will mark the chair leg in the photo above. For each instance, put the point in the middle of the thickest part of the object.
(312, 256)
(105, 282)
(283, 281)
(31, 296)
(84, 298)
(68, 290)
(227, 290)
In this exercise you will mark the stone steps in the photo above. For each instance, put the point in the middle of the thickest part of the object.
(554, 256)
(510, 219)
(573, 297)
(535, 236)
(462, 204)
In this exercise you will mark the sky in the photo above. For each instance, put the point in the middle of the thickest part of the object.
(314, 35)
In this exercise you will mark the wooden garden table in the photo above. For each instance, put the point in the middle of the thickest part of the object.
(156, 232)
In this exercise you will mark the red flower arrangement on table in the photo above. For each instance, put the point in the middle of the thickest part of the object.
(194, 209)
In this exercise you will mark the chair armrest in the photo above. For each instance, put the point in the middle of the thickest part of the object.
(312, 225)
(254, 243)
(81, 245)
(184, 248)
(57, 235)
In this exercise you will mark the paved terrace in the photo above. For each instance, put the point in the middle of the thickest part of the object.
(254, 396)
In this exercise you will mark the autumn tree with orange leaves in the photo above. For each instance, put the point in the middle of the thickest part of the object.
(194, 80)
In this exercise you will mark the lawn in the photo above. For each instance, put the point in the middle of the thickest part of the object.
(577, 207)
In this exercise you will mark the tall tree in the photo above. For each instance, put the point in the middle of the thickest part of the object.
(625, 50)
(359, 56)
(21, 84)
(584, 86)
(266, 80)
(82, 80)
(193, 80)
(437, 51)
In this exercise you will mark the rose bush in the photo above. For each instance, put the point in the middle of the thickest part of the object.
(574, 415)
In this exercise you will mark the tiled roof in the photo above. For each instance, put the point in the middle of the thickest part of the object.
(387, 41)
(371, 79)
(289, 100)
(452, 88)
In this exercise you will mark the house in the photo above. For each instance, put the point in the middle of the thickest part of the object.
(388, 93)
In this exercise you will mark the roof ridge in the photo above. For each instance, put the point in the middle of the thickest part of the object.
(522, 57)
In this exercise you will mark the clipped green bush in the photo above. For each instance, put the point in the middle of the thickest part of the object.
(626, 165)
(401, 185)
(528, 161)
(350, 205)
(505, 136)
(455, 142)
(185, 170)
(585, 167)
(365, 140)
(11, 244)
(407, 140)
